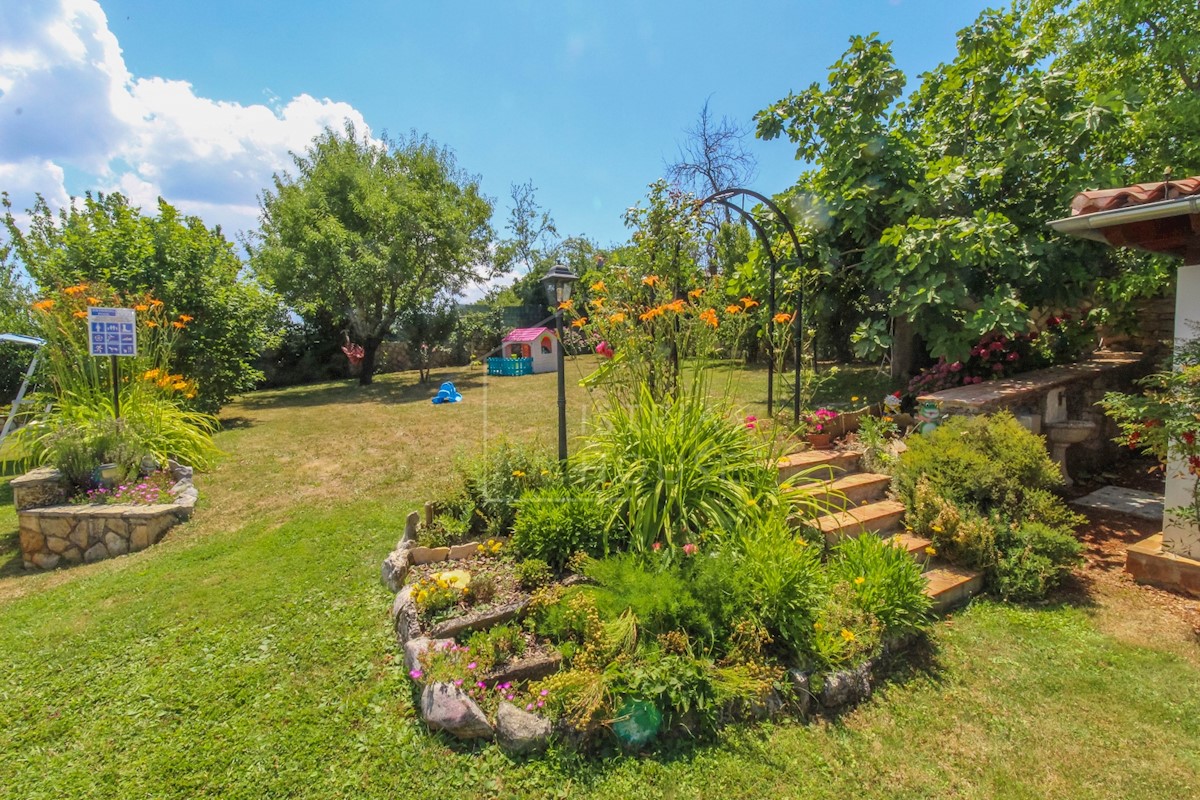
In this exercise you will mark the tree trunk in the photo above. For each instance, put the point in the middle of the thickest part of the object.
(904, 348)
(367, 368)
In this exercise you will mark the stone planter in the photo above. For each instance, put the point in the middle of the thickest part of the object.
(54, 533)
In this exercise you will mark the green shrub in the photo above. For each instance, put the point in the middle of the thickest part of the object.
(482, 589)
(986, 461)
(554, 523)
(446, 529)
(498, 645)
(532, 573)
(662, 597)
(959, 535)
(667, 470)
(884, 581)
(1034, 559)
(494, 482)
(843, 632)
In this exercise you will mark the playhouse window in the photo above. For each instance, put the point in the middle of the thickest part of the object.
(547, 348)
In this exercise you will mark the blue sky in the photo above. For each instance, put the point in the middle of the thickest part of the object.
(201, 101)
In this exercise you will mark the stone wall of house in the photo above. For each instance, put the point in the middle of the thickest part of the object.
(54, 533)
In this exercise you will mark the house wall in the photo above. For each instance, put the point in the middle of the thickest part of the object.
(545, 362)
(1181, 539)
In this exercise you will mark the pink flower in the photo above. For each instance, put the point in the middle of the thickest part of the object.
(458, 681)
(541, 703)
(751, 422)
(1013, 356)
(415, 674)
(471, 665)
(690, 549)
(956, 366)
(545, 692)
(656, 546)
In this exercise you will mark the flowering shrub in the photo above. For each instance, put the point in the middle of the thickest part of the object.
(818, 421)
(437, 593)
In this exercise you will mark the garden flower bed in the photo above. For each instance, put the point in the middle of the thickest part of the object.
(54, 532)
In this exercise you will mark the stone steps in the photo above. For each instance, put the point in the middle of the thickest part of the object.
(860, 496)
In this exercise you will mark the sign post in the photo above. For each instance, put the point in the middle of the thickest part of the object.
(112, 332)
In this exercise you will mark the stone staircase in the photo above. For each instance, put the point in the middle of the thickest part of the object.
(862, 507)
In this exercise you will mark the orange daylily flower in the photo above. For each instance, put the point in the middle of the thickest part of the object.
(709, 316)
(579, 323)
(179, 324)
(651, 314)
(156, 303)
(43, 305)
(566, 305)
(695, 293)
(150, 374)
(599, 286)
(733, 309)
(93, 301)
(597, 303)
(650, 280)
(80, 314)
(617, 318)
(76, 289)
(141, 307)
(749, 302)
(782, 318)
(675, 305)
(151, 323)
(186, 318)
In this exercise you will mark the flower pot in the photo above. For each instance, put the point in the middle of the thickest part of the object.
(819, 441)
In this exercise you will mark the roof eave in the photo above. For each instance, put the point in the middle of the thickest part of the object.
(1088, 226)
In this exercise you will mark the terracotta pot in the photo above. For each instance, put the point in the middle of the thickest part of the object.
(819, 441)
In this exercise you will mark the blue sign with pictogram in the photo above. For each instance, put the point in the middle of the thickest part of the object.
(112, 332)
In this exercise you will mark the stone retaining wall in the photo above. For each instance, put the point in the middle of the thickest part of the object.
(58, 533)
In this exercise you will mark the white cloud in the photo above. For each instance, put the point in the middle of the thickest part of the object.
(70, 107)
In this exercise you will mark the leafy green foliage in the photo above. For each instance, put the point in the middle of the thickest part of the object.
(191, 268)
(668, 470)
(1034, 558)
(532, 573)
(884, 580)
(494, 481)
(371, 232)
(985, 461)
(554, 523)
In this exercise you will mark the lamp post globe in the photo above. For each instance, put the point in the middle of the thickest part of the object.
(558, 281)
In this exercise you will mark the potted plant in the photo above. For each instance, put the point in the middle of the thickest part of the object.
(817, 427)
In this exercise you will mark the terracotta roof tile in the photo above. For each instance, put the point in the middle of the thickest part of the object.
(1110, 199)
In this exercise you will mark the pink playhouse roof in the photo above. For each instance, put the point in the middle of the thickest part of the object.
(527, 334)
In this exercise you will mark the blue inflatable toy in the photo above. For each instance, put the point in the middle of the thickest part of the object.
(447, 394)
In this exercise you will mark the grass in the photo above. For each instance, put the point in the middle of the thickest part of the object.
(249, 654)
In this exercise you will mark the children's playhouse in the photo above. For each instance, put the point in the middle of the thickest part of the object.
(525, 351)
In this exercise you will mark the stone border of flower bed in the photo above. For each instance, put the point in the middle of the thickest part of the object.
(448, 708)
(54, 532)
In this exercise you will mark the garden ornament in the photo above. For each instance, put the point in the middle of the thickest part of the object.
(447, 394)
(928, 416)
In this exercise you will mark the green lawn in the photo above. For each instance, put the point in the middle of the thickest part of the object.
(249, 654)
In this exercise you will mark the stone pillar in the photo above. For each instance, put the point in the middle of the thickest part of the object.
(1178, 539)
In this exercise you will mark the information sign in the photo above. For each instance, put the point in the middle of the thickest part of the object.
(112, 332)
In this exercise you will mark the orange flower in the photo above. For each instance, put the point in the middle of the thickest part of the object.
(651, 314)
(150, 374)
(93, 301)
(179, 324)
(579, 323)
(598, 286)
(597, 303)
(733, 309)
(709, 316)
(782, 318)
(186, 318)
(156, 303)
(650, 280)
(80, 314)
(179, 386)
(151, 323)
(675, 305)
(617, 318)
(43, 305)
(566, 305)
(76, 289)
(695, 293)
(141, 307)
(749, 302)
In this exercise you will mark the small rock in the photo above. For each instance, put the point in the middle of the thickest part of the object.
(394, 570)
(45, 560)
(96, 552)
(116, 545)
(527, 669)
(520, 732)
(415, 648)
(428, 555)
(56, 545)
(466, 550)
(847, 686)
(802, 690)
(445, 707)
(407, 620)
(480, 621)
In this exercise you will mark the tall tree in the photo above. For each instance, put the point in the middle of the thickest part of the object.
(713, 157)
(372, 230)
(191, 268)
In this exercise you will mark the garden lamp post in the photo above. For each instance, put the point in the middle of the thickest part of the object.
(558, 291)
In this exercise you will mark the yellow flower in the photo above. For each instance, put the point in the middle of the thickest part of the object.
(599, 286)
(854, 399)
(733, 309)
(150, 374)
(617, 318)
(695, 293)
(709, 317)
(783, 319)
(847, 635)
(141, 307)
(749, 302)
(518, 473)
(579, 323)
(801, 543)
(545, 472)
(650, 280)
(818, 626)
(931, 551)
(936, 528)
(859, 581)
(179, 386)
